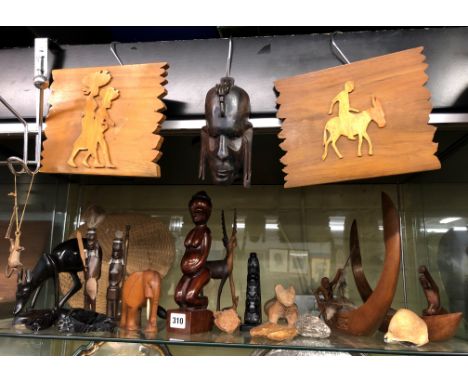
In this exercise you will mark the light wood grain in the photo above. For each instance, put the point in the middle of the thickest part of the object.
(137, 113)
(405, 144)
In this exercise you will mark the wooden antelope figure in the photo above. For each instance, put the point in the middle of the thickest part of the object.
(65, 257)
(222, 269)
(351, 125)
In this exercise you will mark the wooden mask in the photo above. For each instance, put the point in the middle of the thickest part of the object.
(226, 140)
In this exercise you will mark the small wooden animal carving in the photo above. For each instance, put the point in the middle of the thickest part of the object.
(351, 124)
(282, 306)
(139, 287)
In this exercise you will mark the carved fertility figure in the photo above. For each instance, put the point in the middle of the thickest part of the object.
(116, 276)
(226, 140)
(139, 288)
(93, 253)
(351, 124)
(197, 248)
(253, 299)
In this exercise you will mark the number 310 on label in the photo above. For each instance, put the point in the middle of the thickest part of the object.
(177, 320)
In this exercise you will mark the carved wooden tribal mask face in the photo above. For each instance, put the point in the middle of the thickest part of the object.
(226, 140)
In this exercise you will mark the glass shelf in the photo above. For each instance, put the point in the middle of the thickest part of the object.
(336, 343)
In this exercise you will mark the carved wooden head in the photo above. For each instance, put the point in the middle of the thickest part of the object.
(227, 137)
(92, 82)
(286, 296)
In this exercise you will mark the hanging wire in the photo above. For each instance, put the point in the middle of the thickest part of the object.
(337, 51)
(229, 59)
(113, 49)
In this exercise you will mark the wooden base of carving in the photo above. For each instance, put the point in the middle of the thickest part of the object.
(442, 327)
(196, 321)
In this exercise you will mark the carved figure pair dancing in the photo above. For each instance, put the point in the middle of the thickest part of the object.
(95, 121)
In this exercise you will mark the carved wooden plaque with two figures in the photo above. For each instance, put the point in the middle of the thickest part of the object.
(105, 121)
(361, 120)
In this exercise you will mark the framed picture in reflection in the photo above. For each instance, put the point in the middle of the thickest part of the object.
(278, 260)
(319, 267)
(298, 261)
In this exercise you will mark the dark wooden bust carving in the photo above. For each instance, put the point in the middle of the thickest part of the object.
(226, 140)
(197, 248)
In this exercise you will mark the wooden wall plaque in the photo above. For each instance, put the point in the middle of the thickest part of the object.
(383, 97)
(105, 121)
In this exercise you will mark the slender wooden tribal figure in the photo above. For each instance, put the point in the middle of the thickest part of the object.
(116, 276)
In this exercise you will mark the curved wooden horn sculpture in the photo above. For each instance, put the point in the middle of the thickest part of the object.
(363, 286)
(365, 320)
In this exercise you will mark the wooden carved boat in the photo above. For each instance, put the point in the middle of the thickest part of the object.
(440, 327)
(365, 319)
(363, 286)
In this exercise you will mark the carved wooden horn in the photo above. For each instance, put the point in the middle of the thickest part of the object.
(366, 319)
(360, 279)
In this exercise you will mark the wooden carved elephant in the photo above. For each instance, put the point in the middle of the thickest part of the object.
(139, 287)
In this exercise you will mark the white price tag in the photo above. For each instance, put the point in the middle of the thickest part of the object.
(177, 320)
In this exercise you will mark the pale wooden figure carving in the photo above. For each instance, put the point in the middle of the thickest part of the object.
(351, 124)
(105, 121)
(397, 80)
(14, 261)
(282, 306)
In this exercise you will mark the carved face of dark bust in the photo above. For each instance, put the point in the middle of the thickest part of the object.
(227, 136)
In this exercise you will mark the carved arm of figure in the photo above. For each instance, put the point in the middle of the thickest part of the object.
(431, 291)
(335, 100)
(354, 110)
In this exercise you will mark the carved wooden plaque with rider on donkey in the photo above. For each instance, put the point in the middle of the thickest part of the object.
(105, 121)
(361, 120)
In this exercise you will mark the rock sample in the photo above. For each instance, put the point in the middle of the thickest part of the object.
(312, 326)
